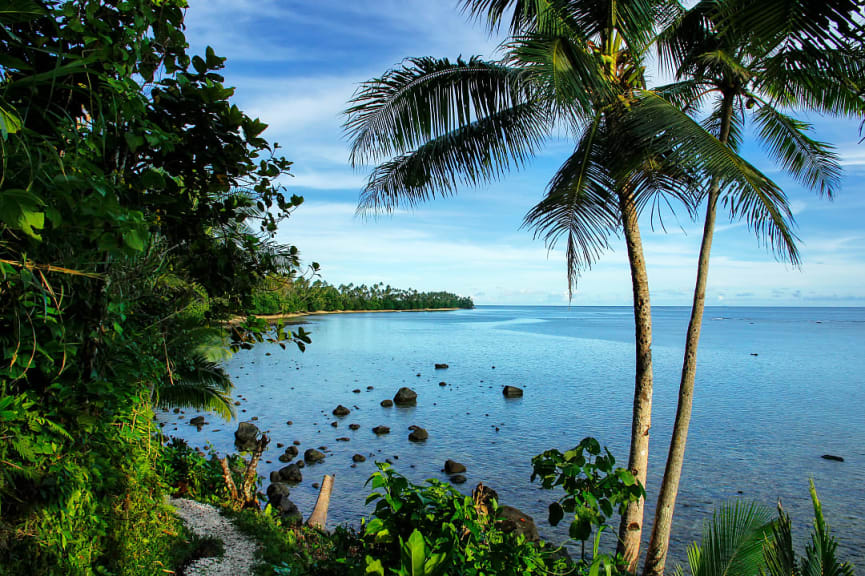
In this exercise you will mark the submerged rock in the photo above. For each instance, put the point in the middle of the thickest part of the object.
(387, 403)
(418, 434)
(512, 392)
(358, 458)
(458, 479)
(405, 397)
(197, 421)
(452, 467)
(354, 426)
(341, 411)
(379, 430)
(832, 457)
(290, 473)
(441, 366)
(312, 455)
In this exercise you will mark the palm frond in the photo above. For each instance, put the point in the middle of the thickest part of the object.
(196, 395)
(687, 95)
(479, 152)
(565, 73)
(812, 163)
(713, 122)
(685, 36)
(778, 554)
(829, 81)
(732, 541)
(747, 193)
(821, 553)
(525, 15)
(827, 24)
(425, 98)
(579, 205)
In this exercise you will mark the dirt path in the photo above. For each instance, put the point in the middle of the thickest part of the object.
(205, 520)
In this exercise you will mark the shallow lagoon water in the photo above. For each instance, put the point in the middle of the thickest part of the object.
(760, 422)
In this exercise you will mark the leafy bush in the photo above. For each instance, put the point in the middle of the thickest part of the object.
(593, 490)
(434, 529)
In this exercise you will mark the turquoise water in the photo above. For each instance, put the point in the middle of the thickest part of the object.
(760, 423)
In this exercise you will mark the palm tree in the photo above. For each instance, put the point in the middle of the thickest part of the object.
(760, 74)
(433, 125)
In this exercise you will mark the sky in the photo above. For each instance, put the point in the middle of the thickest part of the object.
(295, 65)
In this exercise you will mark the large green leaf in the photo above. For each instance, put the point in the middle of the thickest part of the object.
(22, 210)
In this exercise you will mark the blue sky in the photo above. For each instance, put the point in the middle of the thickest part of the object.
(295, 63)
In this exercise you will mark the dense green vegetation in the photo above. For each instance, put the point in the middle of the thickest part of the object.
(137, 207)
(279, 295)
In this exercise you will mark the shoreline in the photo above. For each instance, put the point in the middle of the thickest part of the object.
(288, 315)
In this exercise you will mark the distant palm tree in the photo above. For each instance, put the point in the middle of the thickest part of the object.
(753, 76)
(433, 125)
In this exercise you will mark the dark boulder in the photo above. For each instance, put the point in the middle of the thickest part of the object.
(512, 392)
(441, 366)
(289, 513)
(405, 397)
(291, 474)
(379, 430)
(443, 383)
(356, 391)
(312, 455)
(452, 467)
(387, 403)
(418, 434)
(276, 492)
(832, 457)
(246, 436)
(354, 426)
(458, 479)
(343, 439)
(358, 458)
(197, 421)
(341, 411)
(514, 520)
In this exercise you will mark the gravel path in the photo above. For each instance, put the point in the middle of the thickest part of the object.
(205, 520)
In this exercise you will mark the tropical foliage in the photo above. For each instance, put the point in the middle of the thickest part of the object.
(279, 295)
(137, 208)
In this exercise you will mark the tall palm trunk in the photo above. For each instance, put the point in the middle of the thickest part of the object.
(631, 527)
(656, 556)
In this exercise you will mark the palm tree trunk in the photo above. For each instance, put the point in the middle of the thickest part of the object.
(656, 556)
(631, 527)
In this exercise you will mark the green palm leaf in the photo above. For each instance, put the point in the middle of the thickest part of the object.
(811, 162)
(479, 152)
(732, 542)
(426, 98)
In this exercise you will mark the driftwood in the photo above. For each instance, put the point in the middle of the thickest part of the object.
(247, 496)
(318, 518)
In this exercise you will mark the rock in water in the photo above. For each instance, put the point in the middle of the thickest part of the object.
(312, 455)
(341, 411)
(418, 434)
(387, 403)
(832, 457)
(515, 520)
(379, 430)
(452, 467)
(512, 392)
(358, 458)
(276, 492)
(441, 366)
(354, 426)
(197, 421)
(443, 383)
(246, 436)
(291, 474)
(458, 479)
(405, 397)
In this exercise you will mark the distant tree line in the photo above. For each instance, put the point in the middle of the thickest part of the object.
(280, 295)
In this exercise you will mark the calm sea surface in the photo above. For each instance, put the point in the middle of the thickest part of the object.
(776, 389)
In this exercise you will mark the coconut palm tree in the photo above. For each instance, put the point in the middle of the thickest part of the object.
(432, 125)
(752, 77)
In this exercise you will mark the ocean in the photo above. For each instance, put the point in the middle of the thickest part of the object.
(776, 389)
